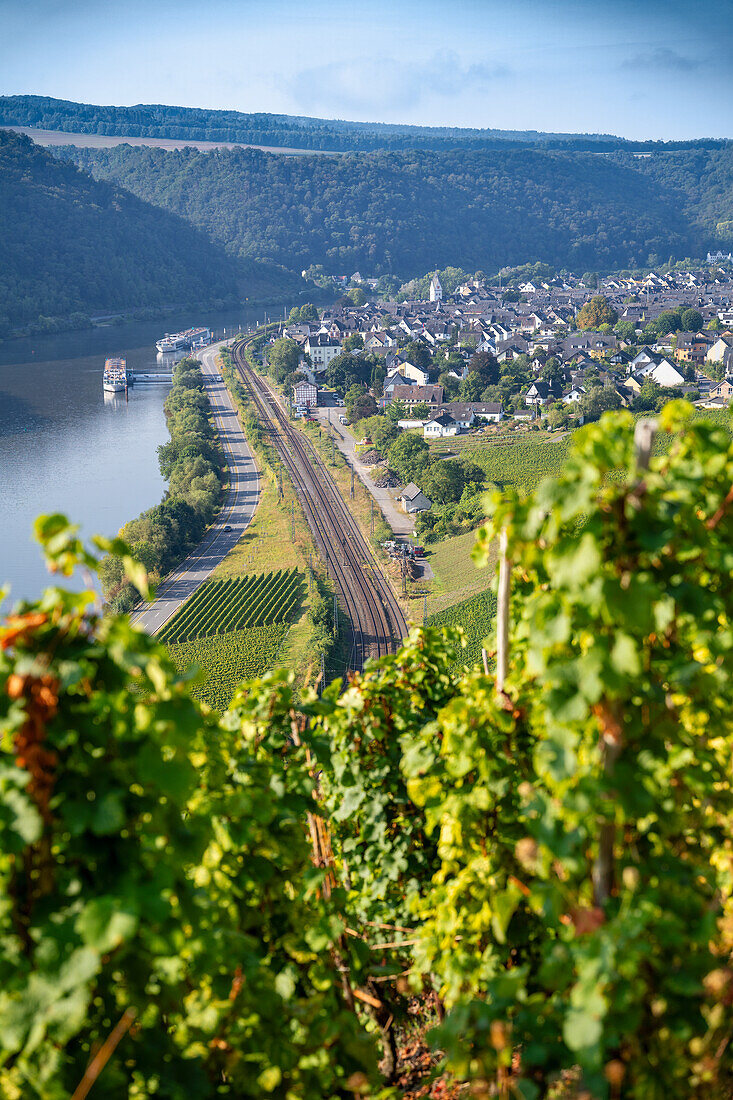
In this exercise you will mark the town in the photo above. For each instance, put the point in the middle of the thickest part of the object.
(554, 348)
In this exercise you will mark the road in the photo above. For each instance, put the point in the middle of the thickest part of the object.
(234, 519)
(400, 523)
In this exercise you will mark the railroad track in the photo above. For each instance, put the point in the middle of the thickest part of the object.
(377, 624)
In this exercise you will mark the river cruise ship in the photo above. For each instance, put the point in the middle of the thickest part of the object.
(183, 341)
(114, 378)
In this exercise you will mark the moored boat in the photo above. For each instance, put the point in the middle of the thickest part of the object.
(114, 379)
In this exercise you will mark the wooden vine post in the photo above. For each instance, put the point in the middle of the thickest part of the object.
(502, 614)
(611, 723)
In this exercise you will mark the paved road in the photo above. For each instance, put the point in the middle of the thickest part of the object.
(239, 507)
(400, 523)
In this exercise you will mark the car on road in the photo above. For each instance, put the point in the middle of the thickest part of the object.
(227, 526)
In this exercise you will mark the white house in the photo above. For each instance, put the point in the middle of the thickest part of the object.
(540, 393)
(415, 374)
(413, 499)
(574, 395)
(321, 348)
(664, 373)
(440, 426)
(720, 350)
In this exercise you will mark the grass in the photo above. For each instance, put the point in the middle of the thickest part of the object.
(267, 543)
(456, 576)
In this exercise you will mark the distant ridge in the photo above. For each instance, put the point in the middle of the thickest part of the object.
(293, 131)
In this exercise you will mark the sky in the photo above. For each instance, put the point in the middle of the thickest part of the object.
(638, 68)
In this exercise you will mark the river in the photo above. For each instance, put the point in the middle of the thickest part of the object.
(67, 447)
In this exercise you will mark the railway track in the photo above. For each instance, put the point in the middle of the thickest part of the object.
(377, 624)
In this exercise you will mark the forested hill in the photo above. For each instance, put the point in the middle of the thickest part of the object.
(155, 120)
(71, 244)
(287, 131)
(411, 212)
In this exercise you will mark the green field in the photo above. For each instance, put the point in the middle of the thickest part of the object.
(225, 660)
(238, 603)
(476, 616)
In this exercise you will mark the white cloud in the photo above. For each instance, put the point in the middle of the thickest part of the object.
(373, 85)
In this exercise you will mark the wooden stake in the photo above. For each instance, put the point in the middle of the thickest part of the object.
(502, 614)
(103, 1055)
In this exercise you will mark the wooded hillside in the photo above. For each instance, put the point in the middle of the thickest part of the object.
(411, 212)
(71, 244)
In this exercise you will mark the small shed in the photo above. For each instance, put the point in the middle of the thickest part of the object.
(413, 499)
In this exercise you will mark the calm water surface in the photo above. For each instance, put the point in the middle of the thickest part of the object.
(67, 447)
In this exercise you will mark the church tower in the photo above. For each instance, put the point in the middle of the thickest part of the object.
(436, 290)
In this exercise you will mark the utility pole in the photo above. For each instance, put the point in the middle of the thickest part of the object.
(352, 482)
(335, 617)
(292, 518)
(371, 502)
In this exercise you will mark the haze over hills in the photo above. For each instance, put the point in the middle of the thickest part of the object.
(287, 131)
(72, 244)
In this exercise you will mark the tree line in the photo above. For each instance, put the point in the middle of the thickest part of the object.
(73, 246)
(193, 464)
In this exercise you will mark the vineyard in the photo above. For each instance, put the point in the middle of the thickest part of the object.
(476, 616)
(232, 630)
(239, 603)
(522, 464)
(228, 659)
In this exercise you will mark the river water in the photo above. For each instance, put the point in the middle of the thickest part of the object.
(67, 447)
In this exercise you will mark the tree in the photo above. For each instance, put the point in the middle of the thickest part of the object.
(421, 411)
(451, 385)
(408, 456)
(558, 415)
(472, 387)
(596, 312)
(356, 296)
(692, 320)
(486, 366)
(626, 331)
(597, 401)
(396, 410)
(359, 406)
(714, 325)
(283, 358)
(669, 320)
(552, 372)
(418, 354)
(443, 481)
(353, 342)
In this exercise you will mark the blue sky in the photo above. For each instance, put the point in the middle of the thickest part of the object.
(640, 68)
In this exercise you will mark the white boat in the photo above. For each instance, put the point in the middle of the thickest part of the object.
(114, 379)
(179, 341)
